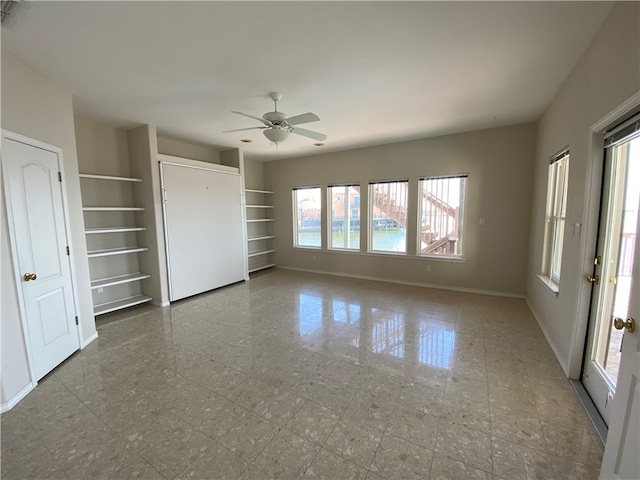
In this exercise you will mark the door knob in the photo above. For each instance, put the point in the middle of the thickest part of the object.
(630, 324)
(593, 279)
(29, 276)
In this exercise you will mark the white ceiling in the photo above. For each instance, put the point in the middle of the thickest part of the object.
(374, 72)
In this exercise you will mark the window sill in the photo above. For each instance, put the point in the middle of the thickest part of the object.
(553, 287)
(444, 258)
(353, 251)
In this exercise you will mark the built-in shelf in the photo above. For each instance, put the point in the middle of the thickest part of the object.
(118, 280)
(260, 229)
(261, 266)
(261, 252)
(109, 177)
(93, 231)
(106, 288)
(252, 190)
(262, 237)
(115, 251)
(113, 209)
(103, 308)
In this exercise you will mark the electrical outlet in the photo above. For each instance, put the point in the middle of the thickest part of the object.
(100, 290)
(428, 268)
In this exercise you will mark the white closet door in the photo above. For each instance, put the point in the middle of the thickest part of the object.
(203, 228)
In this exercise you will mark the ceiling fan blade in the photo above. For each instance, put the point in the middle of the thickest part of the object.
(309, 133)
(243, 129)
(261, 120)
(303, 118)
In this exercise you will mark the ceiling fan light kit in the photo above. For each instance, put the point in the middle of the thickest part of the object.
(276, 135)
(277, 126)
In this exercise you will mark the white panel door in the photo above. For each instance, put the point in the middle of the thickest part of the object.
(36, 215)
(203, 229)
(622, 451)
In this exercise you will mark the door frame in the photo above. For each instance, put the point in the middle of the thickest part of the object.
(8, 135)
(589, 229)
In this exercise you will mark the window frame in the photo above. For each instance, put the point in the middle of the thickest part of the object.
(370, 217)
(461, 217)
(347, 216)
(296, 232)
(555, 217)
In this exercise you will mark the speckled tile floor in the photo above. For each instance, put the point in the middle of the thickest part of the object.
(296, 375)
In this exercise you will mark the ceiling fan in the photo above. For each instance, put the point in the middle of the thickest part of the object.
(277, 126)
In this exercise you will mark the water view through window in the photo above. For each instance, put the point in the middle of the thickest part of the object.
(307, 204)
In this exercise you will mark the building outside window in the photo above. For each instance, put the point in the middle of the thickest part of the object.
(555, 215)
(441, 214)
(307, 212)
(345, 217)
(388, 216)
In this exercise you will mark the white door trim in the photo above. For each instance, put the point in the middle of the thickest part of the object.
(6, 134)
(591, 218)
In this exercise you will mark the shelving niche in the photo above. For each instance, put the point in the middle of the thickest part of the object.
(115, 230)
(260, 232)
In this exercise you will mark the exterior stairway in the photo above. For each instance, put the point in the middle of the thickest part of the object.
(440, 230)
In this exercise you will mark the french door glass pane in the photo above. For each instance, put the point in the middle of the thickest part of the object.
(623, 227)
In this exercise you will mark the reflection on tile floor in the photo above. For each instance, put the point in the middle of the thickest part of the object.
(296, 375)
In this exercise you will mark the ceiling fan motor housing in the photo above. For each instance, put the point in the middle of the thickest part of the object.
(275, 117)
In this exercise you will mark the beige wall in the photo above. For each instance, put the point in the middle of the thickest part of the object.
(35, 107)
(499, 163)
(102, 149)
(606, 76)
(178, 148)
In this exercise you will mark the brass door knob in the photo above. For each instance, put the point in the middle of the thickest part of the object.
(629, 324)
(29, 276)
(593, 279)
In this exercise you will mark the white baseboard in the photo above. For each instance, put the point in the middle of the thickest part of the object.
(413, 284)
(563, 365)
(13, 401)
(88, 340)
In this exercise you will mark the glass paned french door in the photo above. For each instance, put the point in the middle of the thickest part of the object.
(612, 274)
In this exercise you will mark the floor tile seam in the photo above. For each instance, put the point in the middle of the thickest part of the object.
(544, 436)
(56, 462)
(145, 461)
(490, 472)
(546, 452)
(502, 439)
(475, 430)
(153, 448)
(295, 411)
(207, 435)
(470, 427)
(216, 443)
(114, 432)
(566, 457)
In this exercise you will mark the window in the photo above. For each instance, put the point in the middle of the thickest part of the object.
(307, 210)
(345, 217)
(555, 215)
(388, 216)
(441, 214)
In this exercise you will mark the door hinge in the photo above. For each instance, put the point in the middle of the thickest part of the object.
(60, 176)
(68, 251)
(77, 322)
(597, 260)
